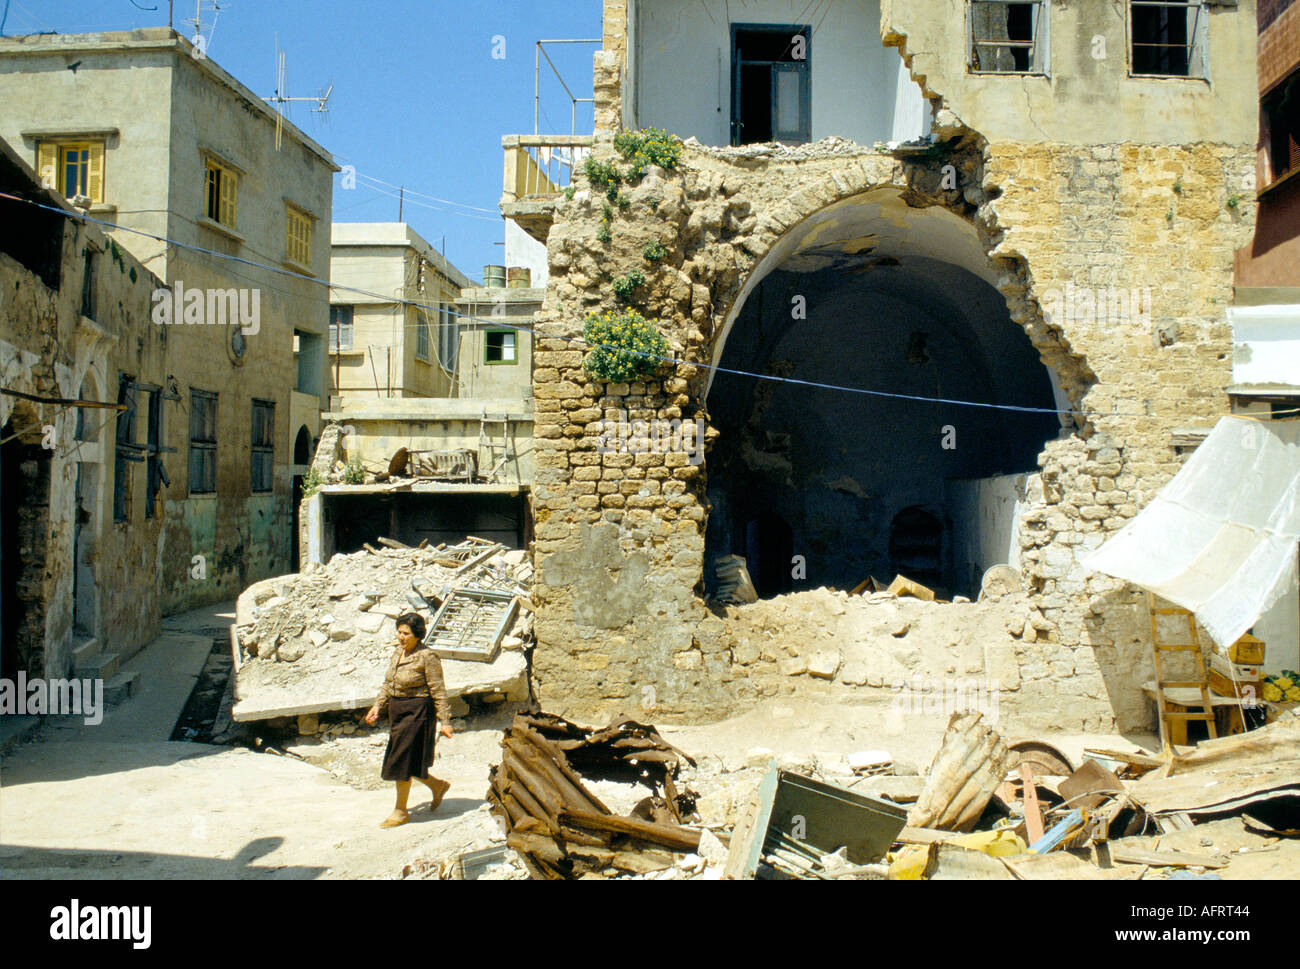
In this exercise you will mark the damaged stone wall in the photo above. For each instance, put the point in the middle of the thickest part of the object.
(620, 537)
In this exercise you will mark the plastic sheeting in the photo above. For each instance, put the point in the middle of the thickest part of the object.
(1220, 539)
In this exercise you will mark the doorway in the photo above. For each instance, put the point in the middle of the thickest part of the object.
(771, 92)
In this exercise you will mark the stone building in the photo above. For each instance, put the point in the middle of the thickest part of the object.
(945, 279)
(154, 137)
(401, 340)
(79, 591)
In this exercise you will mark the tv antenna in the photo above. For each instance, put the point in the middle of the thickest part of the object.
(200, 42)
(281, 98)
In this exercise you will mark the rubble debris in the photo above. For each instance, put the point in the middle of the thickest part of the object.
(1000, 580)
(971, 762)
(559, 827)
(734, 584)
(1163, 859)
(1043, 757)
(903, 586)
(798, 827)
(321, 640)
(1227, 775)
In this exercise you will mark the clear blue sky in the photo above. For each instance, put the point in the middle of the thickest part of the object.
(418, 98)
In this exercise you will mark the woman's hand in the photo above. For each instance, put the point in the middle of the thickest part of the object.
(446, 730)
(372, 715)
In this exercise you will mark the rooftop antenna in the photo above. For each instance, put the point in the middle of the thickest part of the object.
(281, 98)
(200, 42)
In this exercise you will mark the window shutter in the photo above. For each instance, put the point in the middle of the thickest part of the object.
(96, 179)
(228, 180)
(47, 164)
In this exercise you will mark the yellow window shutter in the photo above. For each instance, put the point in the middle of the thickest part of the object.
(47, 164)
(96, 179)
(229, 190)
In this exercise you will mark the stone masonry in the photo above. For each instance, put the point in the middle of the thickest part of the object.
(620, 537)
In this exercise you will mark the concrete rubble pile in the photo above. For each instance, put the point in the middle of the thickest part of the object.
(321, 640)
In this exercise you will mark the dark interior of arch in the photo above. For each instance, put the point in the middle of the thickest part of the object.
(861, 485)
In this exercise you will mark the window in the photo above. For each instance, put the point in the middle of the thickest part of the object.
(126, 451)
(89, 308)
(73, 168)
(770, 94)
(1167, 38)
(448, 338)
(1007, 37)
(222, 187)
(340, 328)
(1282, 128)
(422, 336)
(263, 446)
(499, 346)
(155, 472)
(203, 442)
(297, 242)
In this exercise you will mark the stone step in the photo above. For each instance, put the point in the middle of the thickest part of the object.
(121, 687)
(84, 651)
(101, 666)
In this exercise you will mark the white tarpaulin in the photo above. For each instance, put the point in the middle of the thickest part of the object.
(1219, 539)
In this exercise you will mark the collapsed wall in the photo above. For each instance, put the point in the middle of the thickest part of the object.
(620, 550)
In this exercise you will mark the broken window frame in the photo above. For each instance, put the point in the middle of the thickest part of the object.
(342, 317)
(203, 442)
(1038, 45)
(261, 448)
(1197, 46)
(803, 67)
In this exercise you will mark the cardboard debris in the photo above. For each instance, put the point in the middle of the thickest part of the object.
(971, 762)
(903, 586)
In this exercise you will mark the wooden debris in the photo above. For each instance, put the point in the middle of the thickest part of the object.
(971, 762)
(903, 586)
(1163, 859)
(391, 543)
(559, 827)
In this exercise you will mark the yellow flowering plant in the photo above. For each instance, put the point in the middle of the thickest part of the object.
(624, 346)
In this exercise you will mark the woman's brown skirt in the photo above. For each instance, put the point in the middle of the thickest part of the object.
(411, 736)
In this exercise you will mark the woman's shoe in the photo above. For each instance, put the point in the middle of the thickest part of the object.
(395, 819)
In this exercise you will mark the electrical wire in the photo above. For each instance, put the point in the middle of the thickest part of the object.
(654, 358)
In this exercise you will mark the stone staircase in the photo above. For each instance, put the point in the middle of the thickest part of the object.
(89, 662)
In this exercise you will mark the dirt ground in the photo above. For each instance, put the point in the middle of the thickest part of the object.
(80, 809)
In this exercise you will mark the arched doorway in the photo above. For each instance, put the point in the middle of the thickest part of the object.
(870, 367)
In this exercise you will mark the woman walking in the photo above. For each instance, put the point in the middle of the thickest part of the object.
(416, 698)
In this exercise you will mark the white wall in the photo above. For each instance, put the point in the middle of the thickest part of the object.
(522, 250)
(1266, 344)
(985, 517)
(682, 71)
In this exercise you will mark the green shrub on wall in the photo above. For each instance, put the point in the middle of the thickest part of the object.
(649, 146)
(624, 346)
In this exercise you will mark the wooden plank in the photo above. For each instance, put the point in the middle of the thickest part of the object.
(391, 543)
(1137, 760)
(665, 834)
(1033, 812)
(923, 836)
(1163, 859)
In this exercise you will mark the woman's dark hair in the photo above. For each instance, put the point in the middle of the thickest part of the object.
(416, 623)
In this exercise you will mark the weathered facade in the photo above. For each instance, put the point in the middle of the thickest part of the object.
(75, 311)
(1041, 284)
(158, 139)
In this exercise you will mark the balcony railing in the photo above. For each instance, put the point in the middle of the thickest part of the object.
(540, 167)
